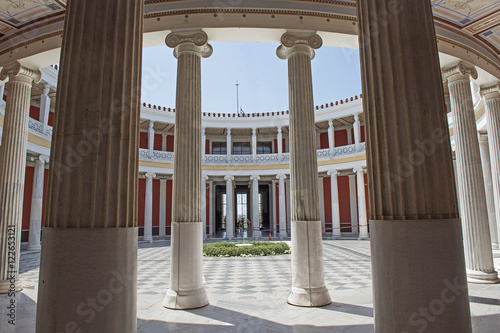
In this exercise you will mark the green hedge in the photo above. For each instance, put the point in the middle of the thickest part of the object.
(229, 249)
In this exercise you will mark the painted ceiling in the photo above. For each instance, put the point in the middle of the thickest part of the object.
(479, 18)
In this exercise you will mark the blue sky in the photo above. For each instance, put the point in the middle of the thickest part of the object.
(262, 76)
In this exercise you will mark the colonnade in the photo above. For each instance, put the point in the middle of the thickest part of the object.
(413, 215)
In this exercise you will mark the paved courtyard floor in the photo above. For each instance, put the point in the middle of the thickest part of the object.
(248, 295)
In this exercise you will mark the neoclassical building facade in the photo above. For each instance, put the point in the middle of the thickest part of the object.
(412, 164)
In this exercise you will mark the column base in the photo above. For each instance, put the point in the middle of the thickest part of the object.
(310, 297)
(186, 289)
(482, 277)
(283, 236)
(256, 235)
(334, 237)
(7, 286)
(148, 239)
(418, 270)
(34, 247)
(186, 300)
(364, 238)
(88, 273)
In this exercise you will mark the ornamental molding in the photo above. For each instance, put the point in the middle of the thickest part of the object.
(298, 42)
(16, 69)
(461, 68)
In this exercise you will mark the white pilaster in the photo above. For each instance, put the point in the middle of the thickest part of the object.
(2, 90)
(488, 188)
(229, 207)
(45, 107)
(204, 205)
(255, 206)
(163, 207)
(363, 221)
(279, 141)
(336, 231)
(274, 207)
(331, 137)
(254, 144)
(203, 144)
(357, 132)
(229, 145)
(353, 203)
(164, 142)
(349, 136)
(37, 203)
(211, 228)
(148, 208)
(288, 206)
(282, 204)
(151, 138)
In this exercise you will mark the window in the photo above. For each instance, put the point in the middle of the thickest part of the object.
(241, 148)
(264, 147)
(219, 148)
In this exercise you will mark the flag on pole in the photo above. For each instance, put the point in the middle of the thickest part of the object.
(242, 112)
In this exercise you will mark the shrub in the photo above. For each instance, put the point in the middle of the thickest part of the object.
(229, 249)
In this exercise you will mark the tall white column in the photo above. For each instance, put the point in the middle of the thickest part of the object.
(151, 138)
(229, 145)
(331, 137)
(488, 188)
(12, 170)
(164, 142)
(363, 221)
(45, 107)
(2, 90)
(255, 206)
(186, 289)
(148, 208)
(37, 203)
(203, 144)
(492, 101)
(274, 207)
(282, 204)
(472, 197)
(89, 250)
(204, 205)
(349, 136)
(334, 190)
(353, 204)
(211, 228)
(163, 207)
(279, 140)
(308, 285)
(357, 132)
(229, 207)
(254, 144)
(416, 243)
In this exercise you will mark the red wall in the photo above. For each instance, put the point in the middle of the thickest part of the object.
(207, 207)
(323, 141)
(277, 189)
(141, 202)
(158, 142)
(170, 143)
(344, 202)
(143, 140)
(28, 190)
(156, 202)
(169, 204)
(327, 202)
(51, 119)
(276, 146)
(207, 147)
(340, 138)
(362, 134)
(45, 187)
(35, 112)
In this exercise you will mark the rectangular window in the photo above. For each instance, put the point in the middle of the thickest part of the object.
(219, 148)
(241, 148)
(264, 147)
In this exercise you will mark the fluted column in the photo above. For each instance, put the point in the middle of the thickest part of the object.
(492, 101)
(416, 238)
(13, 169)
(331, 137)
(282, 209)
(357, 132)
(334, 190)
(186, 278)
(229, 207)
(255, 206)
(37, 203)
(488, 188)
(148, 208)
(473, 208)
(91, 221)
(308, 286)
(363, 221)
(204, 205)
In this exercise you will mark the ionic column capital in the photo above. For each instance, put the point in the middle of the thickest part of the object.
(255, 177)
(46, 89)
(150, 175)
(228, 131)
(151, 124)
(279, 129)
(358, 169)
(228, 177)
(334, 173)
(459, 72)
(204, 178)
(17, 72)
(254, 131)
(189, 41)
(298, 42)
(330, 122)
(491, 92)
(40, 159)
(281, 176)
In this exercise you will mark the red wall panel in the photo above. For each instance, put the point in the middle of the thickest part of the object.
(207, 147)
(170, 143)
(207, 208)
(28, 190)
(141, 202)
(327, 200)
(45, 187)
(362, 134)
(158, 142)
(169, 203)
(323, 140)
(340, 138)
(156, 202)
(143, 140)
(344, 200)
(51, 119)
(35, 112)
(277, 189)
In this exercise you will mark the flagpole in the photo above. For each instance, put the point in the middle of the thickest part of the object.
(237, 98)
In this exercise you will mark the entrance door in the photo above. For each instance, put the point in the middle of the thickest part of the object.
(242, 205)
